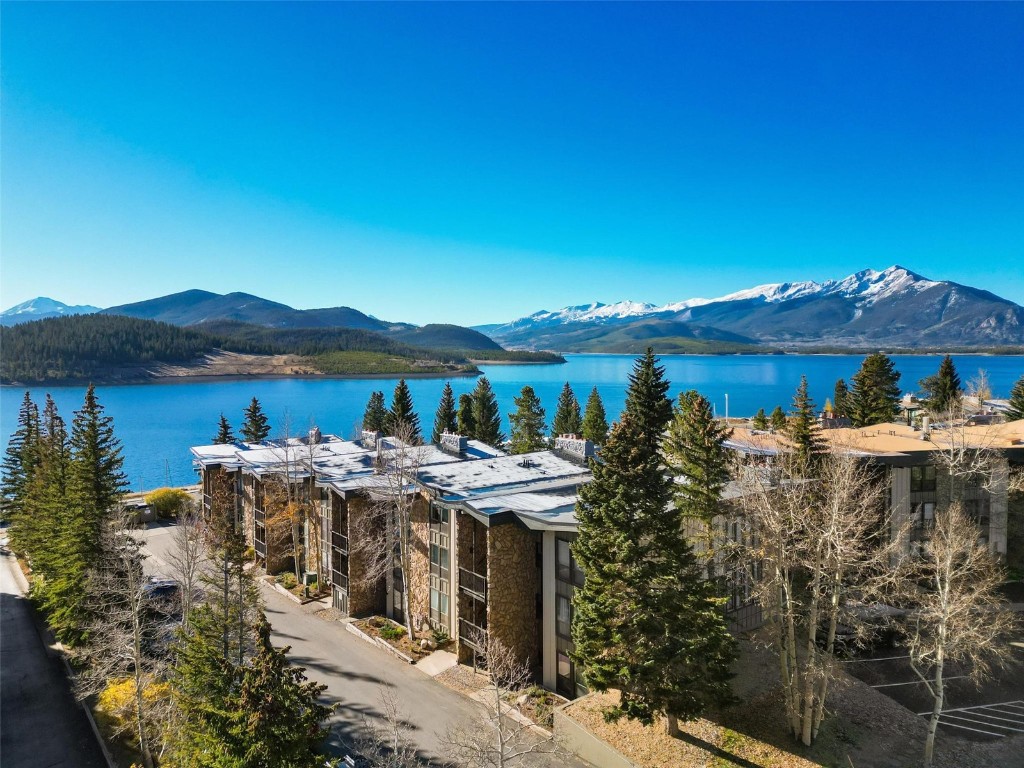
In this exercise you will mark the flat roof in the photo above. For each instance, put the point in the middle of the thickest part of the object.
(537, 471)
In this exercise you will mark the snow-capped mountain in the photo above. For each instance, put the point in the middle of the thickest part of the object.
(41, 308)
(892, 306)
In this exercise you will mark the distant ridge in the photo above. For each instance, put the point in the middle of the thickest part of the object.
(869, 308)
(41, 308)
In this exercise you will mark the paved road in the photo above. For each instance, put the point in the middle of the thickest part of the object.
(41, 724)
(354, 671)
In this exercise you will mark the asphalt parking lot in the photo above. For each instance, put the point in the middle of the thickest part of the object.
(992, 710)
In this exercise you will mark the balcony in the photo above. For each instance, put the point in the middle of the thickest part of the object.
(207, 502)
(473, 584)
(339, 580)
(339, 541)
(261, 548)
(472, 635)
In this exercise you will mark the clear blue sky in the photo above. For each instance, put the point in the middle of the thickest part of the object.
(472, 163)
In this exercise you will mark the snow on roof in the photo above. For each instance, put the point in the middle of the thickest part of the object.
(500, 475)
(536, 510)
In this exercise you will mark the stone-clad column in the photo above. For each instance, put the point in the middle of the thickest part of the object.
(512, 589)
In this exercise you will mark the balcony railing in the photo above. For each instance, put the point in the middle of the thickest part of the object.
(472, 635)
(339, 541)
(207, 502)
(339, 579)
(261, 548)
(473, 583)
(259, 515)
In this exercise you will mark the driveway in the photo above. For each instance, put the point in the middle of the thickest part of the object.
(41, 724)
(354, 671)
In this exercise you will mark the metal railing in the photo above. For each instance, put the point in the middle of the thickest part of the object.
(339, 579)
(472, 635)
(473, 583)
(339, 541)
(261, 548)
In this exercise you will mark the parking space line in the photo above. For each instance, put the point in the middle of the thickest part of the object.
(982, 722)
(1016, 702)
(1015, 721)
(886, 658)
(976, 730)
(913, 682)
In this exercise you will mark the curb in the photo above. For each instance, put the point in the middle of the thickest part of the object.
(61, 651)
(378, 642)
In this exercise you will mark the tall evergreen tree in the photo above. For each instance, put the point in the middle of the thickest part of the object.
(778, 419)
(595, 421)
(1016, 405)
(19, 462)
(256, 426)
(567, 419)
(527, 423)
(466, 423)
(646, 621)
(841, 399)
(646, 400)
(760, 420)
(486, 418)
(47, 494)
(695, 451)
(803, 429)
(375, 417)
(875, 395)
(446, 418)
(224, 434)
(402, 415)
(942, 390)
(97, 481)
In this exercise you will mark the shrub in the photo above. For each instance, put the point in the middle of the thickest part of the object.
(115, 704)
(391, 632)
(167, 501)
(441, 636)
(287, 580)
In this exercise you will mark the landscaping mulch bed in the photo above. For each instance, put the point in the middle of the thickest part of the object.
(374, 625)
(464, 679)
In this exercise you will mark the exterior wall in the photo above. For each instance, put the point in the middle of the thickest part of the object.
(418, 577)
(547, 589)
(366, 595)
(512, 589)
(1015, 528)
(470, 558)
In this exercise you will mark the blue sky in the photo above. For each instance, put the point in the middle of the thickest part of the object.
(472, 163)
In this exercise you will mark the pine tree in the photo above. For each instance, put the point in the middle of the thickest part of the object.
(224, 434)
(695, 451)
(402, 416)
(646, 622)
(97, 481)
(1016, 404)
(646, 400)
(19, 462)
(760, 420)
(841, 399)
(778, 419)
(803, 430)
(466, 423)
(375, 417)
(256, 426)
(527, 423)
(46, 494)
(445, 419)
(595, 422)
(875, 395)
(486, 418)
(942, 390)
(567, 419)
(279, 722)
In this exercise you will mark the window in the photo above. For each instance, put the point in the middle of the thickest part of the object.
(922, 514)
(563, 560)
(922, 479)
(563, 616)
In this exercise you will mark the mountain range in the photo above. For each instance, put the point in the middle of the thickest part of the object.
(869, 309)
(893, 307)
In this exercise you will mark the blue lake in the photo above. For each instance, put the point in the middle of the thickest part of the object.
(158, 422)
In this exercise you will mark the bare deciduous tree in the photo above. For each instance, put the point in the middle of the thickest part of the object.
(958, 616)
(819, 543)
(186, 557)
(387, 745)
(383, 538)
(497, 738)
(130, 633)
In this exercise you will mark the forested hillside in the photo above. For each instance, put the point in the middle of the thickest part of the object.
(92, 346)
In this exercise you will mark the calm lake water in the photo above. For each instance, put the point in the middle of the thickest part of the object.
(158, 422)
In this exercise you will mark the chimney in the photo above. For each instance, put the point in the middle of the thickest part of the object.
(926, 424)
(369, 439)
(454, 444)
(574, 448)
(315, 438)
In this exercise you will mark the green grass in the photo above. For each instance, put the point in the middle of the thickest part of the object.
(378, 362)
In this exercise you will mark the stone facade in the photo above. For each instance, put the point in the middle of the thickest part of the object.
(366, 595)
(512, 589)
(419, 556)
